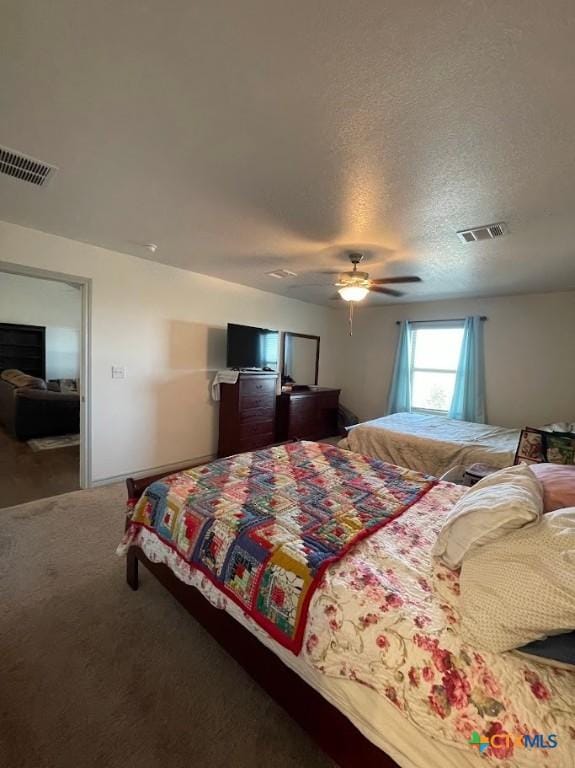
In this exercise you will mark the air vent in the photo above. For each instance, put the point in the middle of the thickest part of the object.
(279, 274)
(488, 232)
(25, 168)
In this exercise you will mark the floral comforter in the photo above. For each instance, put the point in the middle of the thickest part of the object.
(387, 616)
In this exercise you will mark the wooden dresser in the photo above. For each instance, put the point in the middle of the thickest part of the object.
(307, 415)
(247, 413)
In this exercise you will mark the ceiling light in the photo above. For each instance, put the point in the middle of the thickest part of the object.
(353, 292)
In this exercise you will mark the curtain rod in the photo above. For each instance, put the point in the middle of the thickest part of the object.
(449, 320)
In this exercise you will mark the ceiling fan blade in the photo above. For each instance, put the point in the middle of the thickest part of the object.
(386, 291)
(336, 297)
(386, 280)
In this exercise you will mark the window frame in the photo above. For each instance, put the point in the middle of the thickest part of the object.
(429, 325)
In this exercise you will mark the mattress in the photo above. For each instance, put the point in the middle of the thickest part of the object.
(382, 644)
(433, 444)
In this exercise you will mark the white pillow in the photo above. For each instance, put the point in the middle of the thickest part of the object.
(501, 502)
(521, 588)
(560, 426)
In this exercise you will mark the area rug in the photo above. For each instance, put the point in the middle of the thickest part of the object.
(94, 675)
(49, 443)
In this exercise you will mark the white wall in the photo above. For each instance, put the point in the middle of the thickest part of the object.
(167, 326)
(529, 355)
(57, 306)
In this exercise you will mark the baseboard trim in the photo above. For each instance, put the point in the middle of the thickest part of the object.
(152, 470)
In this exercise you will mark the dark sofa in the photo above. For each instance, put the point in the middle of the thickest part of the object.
(29, 409)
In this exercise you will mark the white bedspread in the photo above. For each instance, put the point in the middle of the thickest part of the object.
(433, 444)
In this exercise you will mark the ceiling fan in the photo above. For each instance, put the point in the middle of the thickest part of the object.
(355, 285)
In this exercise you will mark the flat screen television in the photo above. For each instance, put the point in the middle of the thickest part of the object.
(252, 347)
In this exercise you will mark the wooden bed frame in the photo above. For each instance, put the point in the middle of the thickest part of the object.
(332, 731)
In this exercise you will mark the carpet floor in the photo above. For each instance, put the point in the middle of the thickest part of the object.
(26, 475)
(93, 675)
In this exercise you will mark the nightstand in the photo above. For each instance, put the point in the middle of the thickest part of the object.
(476, 472)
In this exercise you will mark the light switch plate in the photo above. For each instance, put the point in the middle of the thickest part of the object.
(118, 372)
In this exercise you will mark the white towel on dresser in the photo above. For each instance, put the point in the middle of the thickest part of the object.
(223, 377)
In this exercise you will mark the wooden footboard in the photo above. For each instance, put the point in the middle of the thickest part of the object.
(332, 731)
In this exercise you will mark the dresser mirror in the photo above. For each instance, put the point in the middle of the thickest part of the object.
(300, 359)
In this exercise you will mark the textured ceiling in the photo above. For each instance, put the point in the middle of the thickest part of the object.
(246, 136)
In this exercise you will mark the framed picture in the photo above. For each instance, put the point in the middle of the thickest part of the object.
(539, 447)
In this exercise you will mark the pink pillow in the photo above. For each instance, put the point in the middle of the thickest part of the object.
(558, 481)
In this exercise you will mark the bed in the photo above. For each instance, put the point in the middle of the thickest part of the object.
(431, 443)
(372, 666)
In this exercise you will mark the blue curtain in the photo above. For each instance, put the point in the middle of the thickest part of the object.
(468, 402)
(400, 391)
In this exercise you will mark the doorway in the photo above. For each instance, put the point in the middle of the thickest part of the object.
(44, 378)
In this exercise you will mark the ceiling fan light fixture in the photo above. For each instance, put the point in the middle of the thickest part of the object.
(353, 292)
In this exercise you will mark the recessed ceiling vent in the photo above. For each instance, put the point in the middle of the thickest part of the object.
(25, 168)
(488, 232)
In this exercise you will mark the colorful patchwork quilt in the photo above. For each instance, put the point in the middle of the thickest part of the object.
(264, 526)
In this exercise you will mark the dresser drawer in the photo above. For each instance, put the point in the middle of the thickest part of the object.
(265, 413)
(255, 442)
(303, 407)
(301, 424)
(254, 385)
(256, 428)
(303, 430)
(255, 402)
(330, 400)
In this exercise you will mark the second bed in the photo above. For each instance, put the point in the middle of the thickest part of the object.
(432, 443)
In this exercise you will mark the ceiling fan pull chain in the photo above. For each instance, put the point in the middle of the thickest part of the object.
(351, 303)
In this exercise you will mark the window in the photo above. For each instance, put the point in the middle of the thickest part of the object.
(434, 357)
